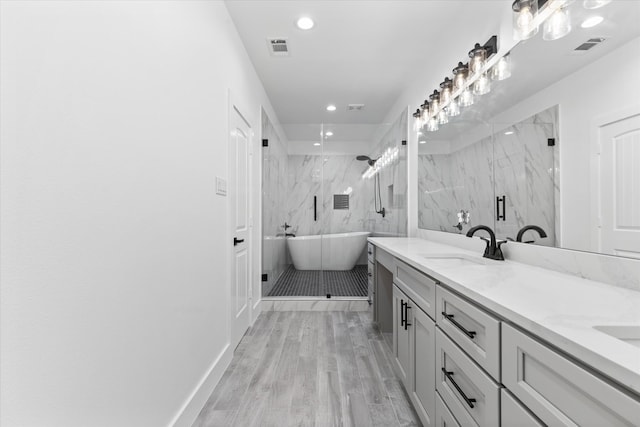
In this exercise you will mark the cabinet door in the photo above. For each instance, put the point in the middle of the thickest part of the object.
(558, 391)
(401, 344)
(512, 414)
(444, 417)
(423, 363)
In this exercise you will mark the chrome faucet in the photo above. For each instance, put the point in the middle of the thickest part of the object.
(492, 251)
(526, 228)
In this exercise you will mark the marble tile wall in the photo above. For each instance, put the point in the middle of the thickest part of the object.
(518, 165)
(312, 176)
(393, 184)
(274, 197)
(462, 180)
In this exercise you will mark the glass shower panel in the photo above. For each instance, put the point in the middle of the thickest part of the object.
(524, 180)
(292, 182)
(364, 185)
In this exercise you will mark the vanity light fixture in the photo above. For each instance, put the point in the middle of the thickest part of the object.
(478, 57)
(482, 86)
(558, 25)
(460, 74)
(453, 109)
(434, 105)
(432, 124)
(305, 23)
(524, 12)
(502, 70)
(466, 98)
(458, 92)
(331, 107)
(591, 21)
(595, 4)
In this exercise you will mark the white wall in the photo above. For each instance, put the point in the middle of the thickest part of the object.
(114, 246)
(607, 86)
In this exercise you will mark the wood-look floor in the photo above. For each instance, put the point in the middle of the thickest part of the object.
(310, 369)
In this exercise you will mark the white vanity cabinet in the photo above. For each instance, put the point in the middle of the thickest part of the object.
(557, 390)
(414, 338)
(463, 364)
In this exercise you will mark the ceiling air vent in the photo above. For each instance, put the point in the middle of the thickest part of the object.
(589, 44)
(278, 47)
(355, 107)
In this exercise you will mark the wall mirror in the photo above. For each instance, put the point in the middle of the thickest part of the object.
(557, 145)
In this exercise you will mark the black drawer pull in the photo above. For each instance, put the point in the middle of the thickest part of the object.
(402, 312)
(370, 274)
(449, 376)
(470, 334)
(406, 316)
(237, 241)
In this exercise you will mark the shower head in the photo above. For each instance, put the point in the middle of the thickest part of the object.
(368, 159)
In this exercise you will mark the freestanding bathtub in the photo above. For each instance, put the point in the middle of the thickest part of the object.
(327, 251)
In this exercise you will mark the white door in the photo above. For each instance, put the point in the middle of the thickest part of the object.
(239, 214)
(620, 188)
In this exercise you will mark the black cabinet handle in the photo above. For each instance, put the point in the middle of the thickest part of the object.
(402, 320)
(502, 216)
(406, 316)
(315, 208)
(449, 317)
(370, 274)
(449, 376)
(237, 241)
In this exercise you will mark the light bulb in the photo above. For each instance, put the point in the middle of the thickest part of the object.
(502, 70)
(557, 26)
(466, 98)
(443, 119)
(454, 108)
(525, 18)
(432, 124)
(482, 86)
(524, 13)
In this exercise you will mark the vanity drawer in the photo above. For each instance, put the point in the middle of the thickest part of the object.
(418, 286)
(558, 391)
(513, 414)
(471, 395)
(444, 417)
(371, 252)
(473, 329)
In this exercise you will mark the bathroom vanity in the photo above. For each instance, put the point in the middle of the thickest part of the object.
(489, 343)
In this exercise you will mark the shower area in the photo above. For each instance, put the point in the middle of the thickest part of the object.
(325, 189)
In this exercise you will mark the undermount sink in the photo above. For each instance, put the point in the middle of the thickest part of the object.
(453, 260)
(628, 333)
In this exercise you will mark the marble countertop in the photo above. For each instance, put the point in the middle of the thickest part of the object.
(558, 308)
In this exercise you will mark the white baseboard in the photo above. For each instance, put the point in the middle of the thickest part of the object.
(194, 404)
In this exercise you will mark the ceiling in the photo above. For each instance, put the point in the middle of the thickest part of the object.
(363, 52)
(369, 52)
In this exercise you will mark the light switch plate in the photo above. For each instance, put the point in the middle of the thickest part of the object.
(221, 186)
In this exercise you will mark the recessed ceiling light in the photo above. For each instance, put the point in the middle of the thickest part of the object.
(423, 142)
(509, 132)
(595, 4)
(591, 21)
(331, 107)
(329, 133)
(317, 144)
(305, 23)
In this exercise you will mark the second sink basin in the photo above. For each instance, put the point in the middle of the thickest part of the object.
(627, 333)
(453, 260)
